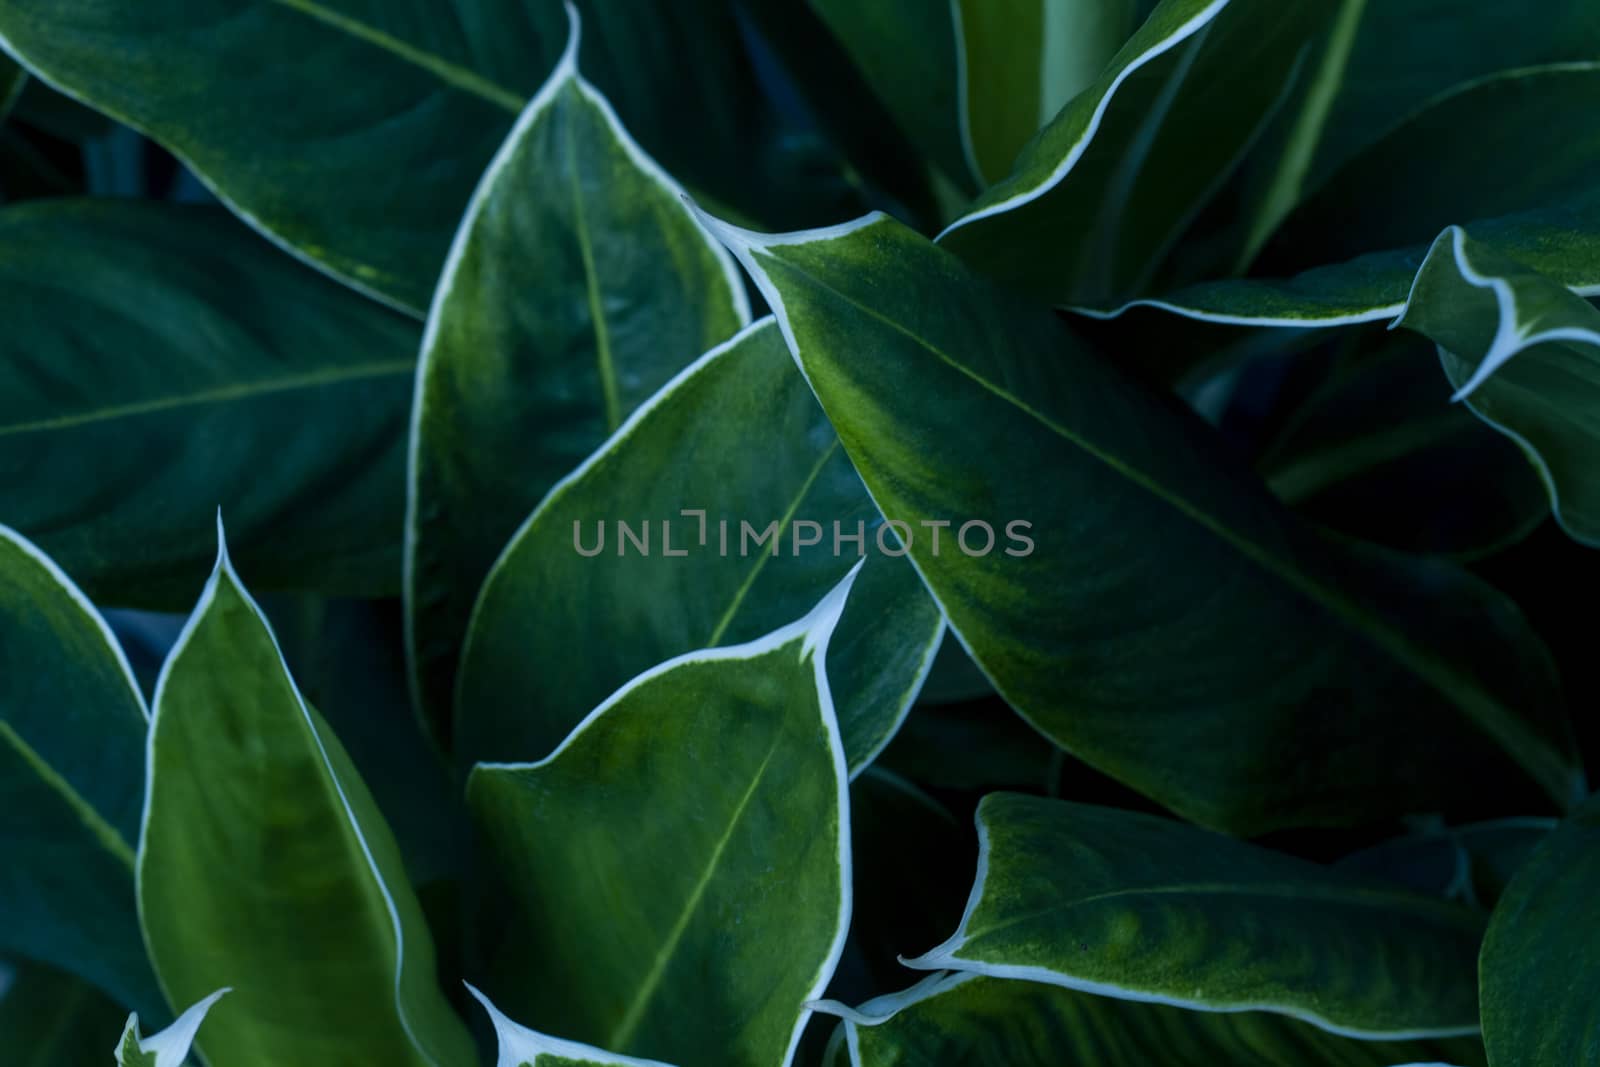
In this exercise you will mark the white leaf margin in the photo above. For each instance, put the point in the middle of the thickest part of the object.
(811, 632)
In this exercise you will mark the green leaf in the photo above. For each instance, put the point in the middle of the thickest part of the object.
(1020, 62)
(1524, 353)
(1430, 171)
(1409, 51)
(49, 1018)
(1537, 969)
(907, 50)
(1139, 907)
(1133, 632)
(969, 1019)
(578, 285)
(1094, 204)
(647, 891)
(521, 1047)
(72, 725)
(170, 1047)
(912, 859)
(265, 862)
(369, 184)
(600, 610)
(348, 660)
(1378, 452)
(1471, 863)
(161, 360)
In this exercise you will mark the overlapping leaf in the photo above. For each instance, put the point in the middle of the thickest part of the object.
(1021, 61)
(570, 597)
(966, 1018)
(264, 863)
(684, 854)
(1170, 623)
(1538, 978)
(521, 1047)
(1524, 352)
(1095, 203)
(579, 284)
(161, 360)
(169, 1048)
(1128, 905)
(361, 154)
(72, 725)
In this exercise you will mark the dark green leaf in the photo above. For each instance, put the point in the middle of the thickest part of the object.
(50, 1019)
(1537, 970)
(265, 864)
(162, 360)
(992, 1022)
(72, 725)
(1095, 203)
(1139, 907)
(570, 595)
(579, 284)
(1165, 620)
(1524, 353)
(361, 153)
(684, 855)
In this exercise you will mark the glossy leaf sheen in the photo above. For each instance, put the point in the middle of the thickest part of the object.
(265, 863)
(1130, 905)
(993, 1022)
(579, 284)
(72, 726)
(1537, 972)
(1295, 651)
(756, 449)
(161, 361)
(1094, 204)
(692, 837)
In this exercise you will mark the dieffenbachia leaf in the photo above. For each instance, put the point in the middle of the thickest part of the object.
(1524, 352)
(1470, 863)
(1376, 451)
(1094, 204)
(907, 51)
(967, 1018)
(521, 1047)
(1430, 172)
(578, 285)
(72, 724)
(370, 184)
(1128, 905)
(170, 1047)
(684, 855)
(161, 360)
(1407, 52)
(1295, 651)
(1020, 62)
(264, 862)
(1537, 976)
(48, 1018)
(1350, 254)
(571, 595)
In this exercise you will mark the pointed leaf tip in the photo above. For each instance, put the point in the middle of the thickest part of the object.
(820, 622)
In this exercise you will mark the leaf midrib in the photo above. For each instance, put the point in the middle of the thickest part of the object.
(93, 821)
(605, 364)
(625, 1029)
(450, 73)
(743, 591)
(218, 395)
(1530, 751)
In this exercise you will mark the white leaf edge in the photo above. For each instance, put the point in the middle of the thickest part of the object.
(171, 1046)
